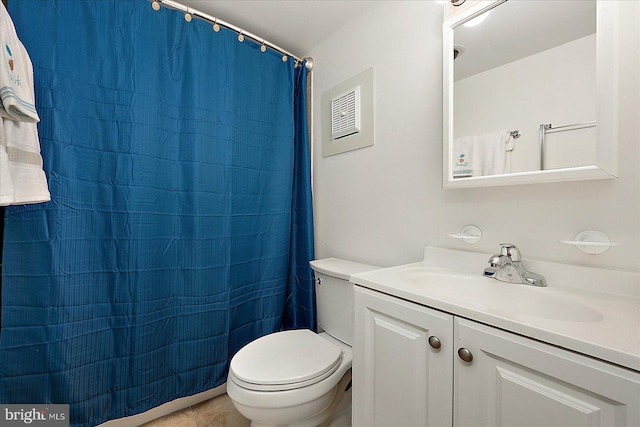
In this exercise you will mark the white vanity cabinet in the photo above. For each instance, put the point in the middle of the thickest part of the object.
(516, 381)
(401, 380)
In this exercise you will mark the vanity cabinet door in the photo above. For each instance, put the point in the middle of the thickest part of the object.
(516, 381)
(400, 378)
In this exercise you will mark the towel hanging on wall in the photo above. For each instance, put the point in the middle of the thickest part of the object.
(486, 154)
(22, 179)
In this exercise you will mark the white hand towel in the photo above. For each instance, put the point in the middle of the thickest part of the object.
(22, 179)
(479, 155)
(16, 79)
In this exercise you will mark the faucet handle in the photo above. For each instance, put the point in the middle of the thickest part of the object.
(510, 250)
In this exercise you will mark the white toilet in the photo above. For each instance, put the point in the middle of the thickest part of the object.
(300, 378)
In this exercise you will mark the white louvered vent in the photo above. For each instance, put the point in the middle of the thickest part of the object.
(345, 114)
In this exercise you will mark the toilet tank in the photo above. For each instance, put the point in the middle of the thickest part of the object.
(334, 295)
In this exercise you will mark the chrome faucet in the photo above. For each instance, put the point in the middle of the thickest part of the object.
(507, 267)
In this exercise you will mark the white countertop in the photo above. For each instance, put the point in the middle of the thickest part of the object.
(591, 311)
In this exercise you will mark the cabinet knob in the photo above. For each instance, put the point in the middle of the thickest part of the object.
(434, 342)
(465, 354)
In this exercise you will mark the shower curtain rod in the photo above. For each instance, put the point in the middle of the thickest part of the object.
(215, 21)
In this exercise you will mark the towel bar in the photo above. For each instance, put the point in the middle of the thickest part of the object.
(546, 128)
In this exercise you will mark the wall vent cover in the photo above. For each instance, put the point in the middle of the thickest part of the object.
(345, 114)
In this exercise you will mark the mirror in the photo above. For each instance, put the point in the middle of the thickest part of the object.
(531, 95)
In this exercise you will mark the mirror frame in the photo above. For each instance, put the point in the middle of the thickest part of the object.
(607, 46)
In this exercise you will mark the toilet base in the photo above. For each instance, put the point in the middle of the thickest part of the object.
(342, 417)
(336, 413)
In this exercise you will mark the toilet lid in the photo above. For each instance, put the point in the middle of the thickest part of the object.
(285, 360)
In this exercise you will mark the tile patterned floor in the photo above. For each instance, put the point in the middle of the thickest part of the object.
(216, 412)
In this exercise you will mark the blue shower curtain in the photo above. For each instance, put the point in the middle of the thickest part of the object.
(180, 225)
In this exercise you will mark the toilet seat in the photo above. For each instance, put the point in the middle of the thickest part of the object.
(285, 361)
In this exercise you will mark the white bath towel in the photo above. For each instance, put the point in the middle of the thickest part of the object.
(479, 155)
(7, 188)
(22, 179)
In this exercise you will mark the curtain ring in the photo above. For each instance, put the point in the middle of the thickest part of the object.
(156, 6)
(285, 58)
(240, 37)
(187, 15)
(263, 48)
(216, 27)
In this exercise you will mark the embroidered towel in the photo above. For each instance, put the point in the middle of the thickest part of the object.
(463, 156)
(22, 179)
(16, 78)
(479, 155)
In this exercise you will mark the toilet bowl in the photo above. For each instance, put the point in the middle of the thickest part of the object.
(300, 378)
(295, 400)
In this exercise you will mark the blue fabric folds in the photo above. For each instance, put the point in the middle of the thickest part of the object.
(180, 226)
(301, 297)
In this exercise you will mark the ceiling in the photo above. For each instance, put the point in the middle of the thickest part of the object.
(294, 25)
(299, 25)
(517, 29)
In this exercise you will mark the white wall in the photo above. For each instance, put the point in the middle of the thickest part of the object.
(384, 203)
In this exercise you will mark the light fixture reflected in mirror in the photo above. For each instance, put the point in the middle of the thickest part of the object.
(477, 20)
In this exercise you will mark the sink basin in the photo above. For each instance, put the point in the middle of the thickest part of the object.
(520, 302)
(550, 307)
(434, 276)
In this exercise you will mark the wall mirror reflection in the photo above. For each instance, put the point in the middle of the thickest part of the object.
(521, 92)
